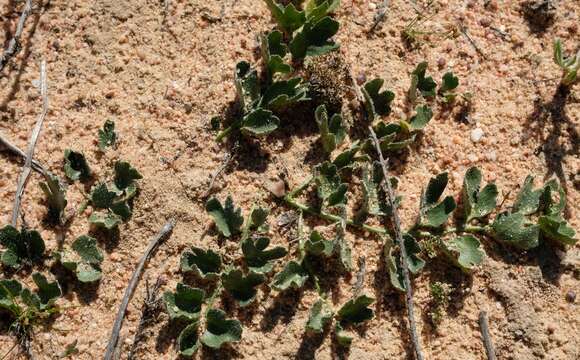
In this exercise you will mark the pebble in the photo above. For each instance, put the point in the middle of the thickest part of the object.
(472, 158)
(372, 6)
(476, 134)
(491, 156)
(361, 78)
(570, 296)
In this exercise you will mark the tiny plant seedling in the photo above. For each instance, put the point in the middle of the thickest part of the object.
(569, 65)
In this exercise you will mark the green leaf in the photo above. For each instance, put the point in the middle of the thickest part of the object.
(273, 52)
(477, 204)
(247, 85)
(87, 249)
(125, 175)
(122, 209)
(314, 38)
(83, 259)
(343, 338)
(528, 200)
(433, 213)
(220, 330)
(317, 245)
(242, 288)
(101, 197)
(76, 166)
(21, 247)
(227, 218)
(185, 303)
(419, 120)
(377, 103)
(107, 135)
(342, 247)
(555, 228)
(259, 122)
(464, 251)
(414, 261)
(47, 292)
(206, 264)
(106, 220)
(288, 17)
(570, 65)
(281, 94)
(320, 8)
(292, 276)
(257, 219)
(10, 289)
(547, 203)
(356, 311)
(55, 197)
(332, 132)
(347, 158)
(413, 250)
(514, 229)
(188, 340)
(448, 83)
(258, 259)
(320, 315)
(426, 85)
(329, 187)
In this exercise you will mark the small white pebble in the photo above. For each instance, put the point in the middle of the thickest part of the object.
(476, 135)
(472, 158)
(372, 6)
(35, 83)
(491, 156)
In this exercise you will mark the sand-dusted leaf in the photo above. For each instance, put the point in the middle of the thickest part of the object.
(228, 219)
(121, 209)
(257, 220)
(377, 102)
(273, 52)
(288, 17)
(320, 315)
(317, 9)
(464, 251)
(84, 259)
(86, 247)
(341, 246)
(343, 337)
(219, 330)
(356, 311)
(433, 213)
(347, 158)
(393, 261)
(371, 178)
(548, 205)
(107, 135)
(425, 85)
(477, 204)
(256, 255)
(528, 200)
(206, 264)
(247, 85)
(317, 245)
(242, 287)
(419, 120)
(125, 175)
(47, 293)
(185, 303)
(106, 220)
(20, 247)
(76, 166)
(101, 197)
(555, 228)
(329, 187)
(259, 122)
(293, 276)
(188, 340)
(332, 131)
(314, 38)
(448, 83)
(281, 94)
(414, 261)
(515, 230)
(55, 194)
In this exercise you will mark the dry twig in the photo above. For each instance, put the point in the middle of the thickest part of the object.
(463, 30)
(360, 275)
(155, 242)
(14, 45)
(380, 15)
(36, 166)
(225, 163)
(399, 237)
(33, 138)
(483, 325)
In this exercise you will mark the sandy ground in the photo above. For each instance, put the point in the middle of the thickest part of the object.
(162, 75)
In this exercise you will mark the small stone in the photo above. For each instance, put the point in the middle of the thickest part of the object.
(372, 6)
(441, 62)
(361, 78)
(476, 134)
(278, 188)
(551, 328)
(491, 156)
(472, 158)
(570, 296)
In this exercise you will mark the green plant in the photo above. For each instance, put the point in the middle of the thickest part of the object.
(206, 264)
(55, 198)
(22, 247)
(185, 303)
(332, 131)
(449, 83)
(228, 219)
(76, 166)
(377, 103)
(107, 135)
(440, 298)
(84, 259)
(569, 65)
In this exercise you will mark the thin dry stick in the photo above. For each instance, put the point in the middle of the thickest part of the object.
(463, 30)
(399, 237)
(380, 15)
(225, 163)
(31, 145)
(36, 166)
(14, 45)
(486, 336)
(360, 276)
(155, 242)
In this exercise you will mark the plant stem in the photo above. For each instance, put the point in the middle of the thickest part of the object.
(226, 132)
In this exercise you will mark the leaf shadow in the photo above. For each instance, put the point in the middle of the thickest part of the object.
(108, 238)
(283, 309)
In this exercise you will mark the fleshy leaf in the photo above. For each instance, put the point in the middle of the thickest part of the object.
(242, 288)
(21, 247)
(464, 251)
(281, 94)
(76, 166)
(514, 229)
(314, 38)
(377, 103)
(258, 259)
(247, 85)
(320, 315)
(47, 292)
(188, 340)
(528, 200)
(102, 197)
(569, 65)
(288, 17)
(55, 197)
(477, 204)
(426, 85)
(557, 229)
(106, 220)
(332, 132)
(347, 158)
(329, 187)
(227, 218)
(356, 311)
(273, 52)
(259, 122)
(448, 84)
(107, 135)
(343, 337)
(125, 175)
(206, 264)
(419, 120)
(185, 303)
(414, 261)
(220, 330)
(434, 213)
(84, 259)
(317, 245)
(292, 276)
(10, 289)
(547, 203)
